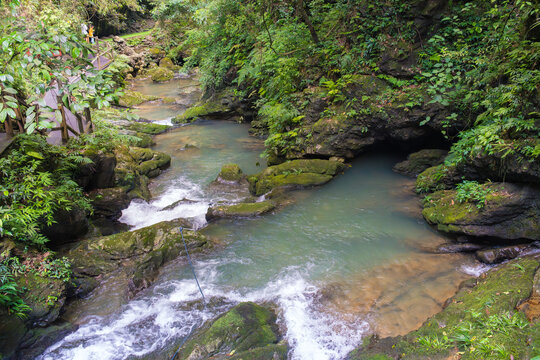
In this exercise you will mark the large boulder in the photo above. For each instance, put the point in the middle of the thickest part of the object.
(109, 203)
(139, 254)
(247, 331)
(223, 105)
(510, 212)
(230, 173)
(295, 173)
(161, 74)
(100, 173)
(419, 161)
(69, 225)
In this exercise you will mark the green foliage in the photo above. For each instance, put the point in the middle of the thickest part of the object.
(10, 293)
(36, 180)
(473, 192)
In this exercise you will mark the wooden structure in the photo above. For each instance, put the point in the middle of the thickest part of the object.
(69, 124)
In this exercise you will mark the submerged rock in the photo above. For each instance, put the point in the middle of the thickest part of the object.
(247, 331)
(240, 210)
(420, 161)
(497, 255)
(511, 212)
(294, 173)
(482, 315)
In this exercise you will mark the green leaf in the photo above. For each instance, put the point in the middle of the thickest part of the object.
(34, 154)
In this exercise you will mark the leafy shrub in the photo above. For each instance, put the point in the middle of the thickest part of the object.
(473, 192)
(36, 180)
(10, 294)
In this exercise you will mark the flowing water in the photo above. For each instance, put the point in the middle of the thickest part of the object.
(342, 261)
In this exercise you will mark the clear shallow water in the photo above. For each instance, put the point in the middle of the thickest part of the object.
(343, 260)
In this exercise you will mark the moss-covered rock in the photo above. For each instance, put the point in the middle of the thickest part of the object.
(230, 173)
(207, 109)
(45, 296)
(240, 210)
(109, 203)
(223, 105)
(134, 98)
(160, 74)
(245, 332)
(138, 253)
(168, 64)
(148, 128)
(135, 166)
(419, 161)
(481, 321)
(295, 173)
(510, 212)
(437, 177)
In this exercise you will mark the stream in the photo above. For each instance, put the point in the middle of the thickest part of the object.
(340, 262)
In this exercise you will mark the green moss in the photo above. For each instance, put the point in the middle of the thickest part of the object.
(134, 98)
(148, 128)
(231, 172)
(481, 321)
(242, 210)
(199, 110)
(160, 74)
(294, 173)
(243, 328)
(269, 352)
(431, 179)
(144, 140)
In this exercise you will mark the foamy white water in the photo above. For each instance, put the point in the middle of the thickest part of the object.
(182, 200)
(168, 313)
(476, 269)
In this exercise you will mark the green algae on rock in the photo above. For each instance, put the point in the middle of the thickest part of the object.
(295, 173)
(139, 253)
(148, 128)
(160, 74)
(230, 173)
(419, 161)
(240, 210)
(510, 212)
(247, 331)
(134, 98)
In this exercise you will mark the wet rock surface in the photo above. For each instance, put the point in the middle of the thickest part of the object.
(247, 331)
(419, 161)
(511, 212)
(139, 253)
(240, 210)
(295, 173)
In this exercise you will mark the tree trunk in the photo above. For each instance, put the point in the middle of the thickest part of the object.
(301, 10)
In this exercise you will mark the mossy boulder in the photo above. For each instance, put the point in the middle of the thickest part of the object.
(148, 128)
(480, 321)
(295, 173)
(139, 254)
(247, 331)
(223, 105)
(160, 74)
(168, 64)
(437, 177)
(135, 166)
(134, 98)
(510, 212)
(230, 173)
(419, 161)
(45, 296)
(240, 210)
(208, 109)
